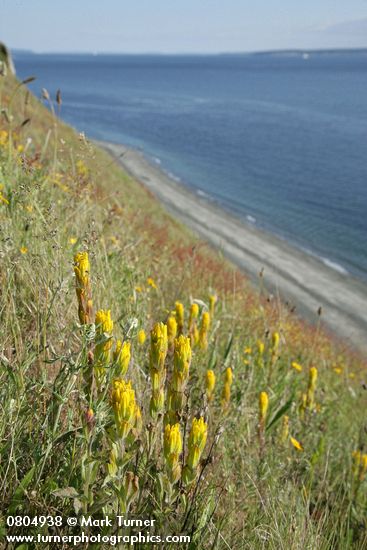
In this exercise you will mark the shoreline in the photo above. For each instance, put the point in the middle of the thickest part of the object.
(297, 277)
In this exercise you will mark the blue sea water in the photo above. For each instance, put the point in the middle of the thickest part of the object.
(278, 139)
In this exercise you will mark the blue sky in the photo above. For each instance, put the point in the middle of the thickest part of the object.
(172, 26)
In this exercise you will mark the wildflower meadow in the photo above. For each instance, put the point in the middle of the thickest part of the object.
(143, 376)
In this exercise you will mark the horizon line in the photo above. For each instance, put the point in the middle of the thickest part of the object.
(194, 53)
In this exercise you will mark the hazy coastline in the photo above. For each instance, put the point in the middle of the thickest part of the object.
(299, 278)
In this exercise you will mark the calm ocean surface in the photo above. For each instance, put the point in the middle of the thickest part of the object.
(279, 140)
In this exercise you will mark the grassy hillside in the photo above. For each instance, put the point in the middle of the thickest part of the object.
(271, 456)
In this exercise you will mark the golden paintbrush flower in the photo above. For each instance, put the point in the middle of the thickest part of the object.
(313, 378)
(311, 387)
(197, 441)
(180, 317)
(171, 329)
(124, 407)
(275, 340)
(210, 384)
(172, 448)
(181, 362)
(159, 346)
(296, 366)
(122, 356)
(228, 376)
(151, 283)
(104, 323)
(181, 366)
(263, 406)
(83, 288)
(102, 350)
(203, 333)
(194, 312)
(141, 337)
(158, 352)
(260, 347)
(296, 444)
(82, 268)
(226, 392)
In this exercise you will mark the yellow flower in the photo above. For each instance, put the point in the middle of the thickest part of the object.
(23, 250)
(228, 376)
(180, 313)
(210, 383)
(3, 199)
(296, 444)
(260, 347)
(138, 425)
(138, 289)
(83, 290)
(141, 337)
(181, 362)
(81, 168)
(197, 441)
(102, 350)
(171, 329)
(124, 407)
(151, 282)
(212, 301)
(122, 356)
(247, 350)
(82, 268)
(158, 352)
(311, 387)
(338, 370)
(104, 323)
(172, 440)
(275, 340)
(203, 333)
(263, 406)
(172, 448)
(72, 240)
(3, 137)
(194, 312)
(159, 345)
(176, 399)
(29, 208)
(296, 366)
(313, 377)
(114, 240)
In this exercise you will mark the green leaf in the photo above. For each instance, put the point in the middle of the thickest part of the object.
(17, 498)
(280, 412)
(228, 348)
(213, 360)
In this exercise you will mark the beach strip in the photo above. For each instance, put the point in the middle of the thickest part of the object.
(296, 277)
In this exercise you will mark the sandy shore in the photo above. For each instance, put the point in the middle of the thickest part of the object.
(297, 277)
